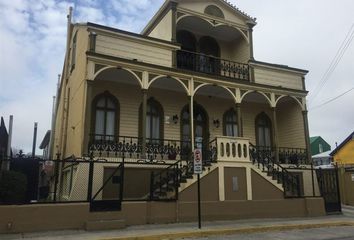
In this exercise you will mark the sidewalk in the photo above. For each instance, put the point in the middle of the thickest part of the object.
(183, 230)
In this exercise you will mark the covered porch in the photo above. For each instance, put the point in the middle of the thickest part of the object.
(153, 118)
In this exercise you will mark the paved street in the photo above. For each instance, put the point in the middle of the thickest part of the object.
(332, 227)
(335, 233)
(348, 211)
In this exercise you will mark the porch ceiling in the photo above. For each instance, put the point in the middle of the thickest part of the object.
(118, 76)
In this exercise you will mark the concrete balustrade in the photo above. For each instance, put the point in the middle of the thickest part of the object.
(232, 149)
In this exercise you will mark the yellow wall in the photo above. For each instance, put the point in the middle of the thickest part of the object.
(346, 154)
(290, 122)
(69, 119)
(163, 30)
(274, 77)
(133, 49)
(130, 98)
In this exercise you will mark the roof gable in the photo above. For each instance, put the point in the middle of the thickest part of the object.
(350, 137)
(230, 12)
(313, 139)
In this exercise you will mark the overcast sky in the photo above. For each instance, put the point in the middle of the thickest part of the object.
(302, 33)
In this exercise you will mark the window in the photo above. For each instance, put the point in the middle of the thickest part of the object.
(154, 119)
(320, 148)
(73, 53)
(214, 11)
(263, 130)
(106, 108)
(230, 123)
(208, 60)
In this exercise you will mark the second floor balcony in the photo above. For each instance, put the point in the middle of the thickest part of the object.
(208, 64)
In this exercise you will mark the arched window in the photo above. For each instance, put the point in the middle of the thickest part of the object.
(186, 57)
(154, 119)
(208, 60)
(230, 123)
(214, 11)
(263, 130)
(105, 115)
(187, 40)
(201, 129)
(209, 46)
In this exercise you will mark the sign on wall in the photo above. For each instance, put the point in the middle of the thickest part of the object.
(352, 177)
(198, 166)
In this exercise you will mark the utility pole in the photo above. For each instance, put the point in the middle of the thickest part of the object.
(34, 140)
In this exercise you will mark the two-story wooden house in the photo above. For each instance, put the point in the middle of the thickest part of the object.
(188, 81)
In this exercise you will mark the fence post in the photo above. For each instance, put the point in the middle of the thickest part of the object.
(313, 181)
(90, 179)
(176, 180)
(151, 185)
(338, 189)
(56, 177)
(283, 182)
(298, 186)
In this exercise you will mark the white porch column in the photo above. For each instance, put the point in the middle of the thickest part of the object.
(239, 120)
(275, 134)
(143, 124)
(191, 118)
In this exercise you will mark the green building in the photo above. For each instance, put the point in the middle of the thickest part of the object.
(318, 145)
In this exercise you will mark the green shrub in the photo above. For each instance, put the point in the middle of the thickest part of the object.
(13, 186)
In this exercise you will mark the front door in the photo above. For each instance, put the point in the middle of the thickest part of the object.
(201, 130)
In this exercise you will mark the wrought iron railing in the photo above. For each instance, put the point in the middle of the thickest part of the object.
(211, 65)
(131, 147)
(264, 158)
(212, 153)
(164, 184)
(297, 156)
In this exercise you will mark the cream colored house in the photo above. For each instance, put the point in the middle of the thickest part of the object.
(188, 80)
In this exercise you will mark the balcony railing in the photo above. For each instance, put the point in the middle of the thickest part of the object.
(131, 147)
(211, 65)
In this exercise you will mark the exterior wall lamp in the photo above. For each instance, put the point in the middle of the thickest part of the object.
(216, 123)
(175, 119)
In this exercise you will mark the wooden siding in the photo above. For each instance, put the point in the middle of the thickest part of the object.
(290, 125)
(250, 110)
(130, 49)
(69, 119)
(237, 51)
(273, 77)
(346, 154)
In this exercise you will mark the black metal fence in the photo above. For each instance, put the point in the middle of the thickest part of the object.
(103, 182)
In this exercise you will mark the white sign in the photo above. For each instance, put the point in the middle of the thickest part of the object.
(198, 166)
(352, 177)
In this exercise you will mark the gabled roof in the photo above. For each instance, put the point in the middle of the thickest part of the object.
(168, 4)
(238, 10)
(312, 139)
(350, 137)
(322, 155)
(315, 138)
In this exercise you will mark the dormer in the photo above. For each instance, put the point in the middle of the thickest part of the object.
(215, 36)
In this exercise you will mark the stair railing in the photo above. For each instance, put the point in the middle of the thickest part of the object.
(264, 158)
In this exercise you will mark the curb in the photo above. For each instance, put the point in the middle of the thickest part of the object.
(230, 231)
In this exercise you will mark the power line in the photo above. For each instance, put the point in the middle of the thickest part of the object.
(340, 52)
(332, 99)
